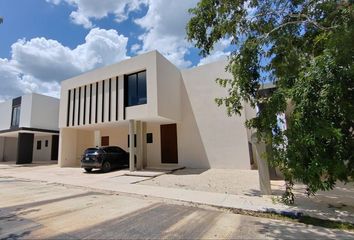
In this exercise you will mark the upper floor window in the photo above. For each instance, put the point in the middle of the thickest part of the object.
(135, 89)
(16, 110)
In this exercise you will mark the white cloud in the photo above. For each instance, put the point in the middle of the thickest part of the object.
(219, 52)
(80, 19)
(165, 24)
(93, 9)
(135, 47)
(56, 2)
(40, 64)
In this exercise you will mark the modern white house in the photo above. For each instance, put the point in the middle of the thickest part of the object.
(29, 129)
(161, 114)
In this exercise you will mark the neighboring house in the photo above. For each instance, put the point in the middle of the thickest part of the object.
(171, 113)
(29, 129)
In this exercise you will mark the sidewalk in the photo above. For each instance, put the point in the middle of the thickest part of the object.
(118, 182)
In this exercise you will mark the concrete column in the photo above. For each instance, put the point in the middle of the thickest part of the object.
(131, 145)
(144, 145)
(97, 138)
(263, 169)
(139, 145)
(2, 148)
(68, 148)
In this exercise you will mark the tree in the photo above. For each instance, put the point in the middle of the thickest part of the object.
(306, 48)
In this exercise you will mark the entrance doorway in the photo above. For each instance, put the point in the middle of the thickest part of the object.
(169, 153)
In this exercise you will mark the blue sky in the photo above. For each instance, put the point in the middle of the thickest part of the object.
(43, 42)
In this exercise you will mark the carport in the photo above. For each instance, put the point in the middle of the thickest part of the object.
(29, 145)
(146, 137)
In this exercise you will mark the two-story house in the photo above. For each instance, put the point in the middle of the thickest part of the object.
(161, 114)
(29, 129)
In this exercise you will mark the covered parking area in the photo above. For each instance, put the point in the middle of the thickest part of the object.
(29, 145)
(149, 149)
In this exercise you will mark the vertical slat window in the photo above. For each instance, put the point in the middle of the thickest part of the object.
(96, 107)
(79, 107)
(102, 117)
(84, 117)
(74, 101)
(109, 99)
(68, 109)
(117, 98)
(90, 108)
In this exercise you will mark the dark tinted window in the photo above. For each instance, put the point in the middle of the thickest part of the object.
(135, 90)
(93, 150)
(141, 88)
(108, 149)
(39, 145)
(16, 116)
(149, 138)
(114, 150)
(132, 87)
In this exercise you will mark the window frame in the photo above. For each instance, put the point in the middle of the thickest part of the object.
(15, 116)
(126, 89)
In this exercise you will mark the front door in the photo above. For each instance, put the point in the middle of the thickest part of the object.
(169, 152)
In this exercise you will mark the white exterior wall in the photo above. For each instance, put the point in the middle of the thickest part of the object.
(37, 111)
(85, 139)
(169, 82)
(43, 154)
(145, 61)
(207, 137)
(10, 149)
(26, 111)
(67, 148)
(44, 112)
(153, 150)
(5, 115)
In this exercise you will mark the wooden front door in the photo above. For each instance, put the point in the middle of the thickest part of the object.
(169, 152)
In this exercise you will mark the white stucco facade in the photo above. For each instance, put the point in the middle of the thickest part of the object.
(178, 102)
(27, 136)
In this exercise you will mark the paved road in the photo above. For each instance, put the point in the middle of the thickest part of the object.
(38, 210)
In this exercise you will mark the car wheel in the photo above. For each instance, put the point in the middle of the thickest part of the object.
(106, 167)
(88, 169)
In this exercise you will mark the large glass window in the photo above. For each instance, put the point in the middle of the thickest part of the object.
(135, 91)
(16, 110)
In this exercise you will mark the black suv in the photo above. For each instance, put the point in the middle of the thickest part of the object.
(104, 158)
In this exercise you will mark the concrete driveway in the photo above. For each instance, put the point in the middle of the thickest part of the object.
(38, 210)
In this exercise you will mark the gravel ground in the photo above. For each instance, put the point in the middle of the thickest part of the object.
(243, 182)
(337, 204)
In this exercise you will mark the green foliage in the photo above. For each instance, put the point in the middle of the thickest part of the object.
(306, 48)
